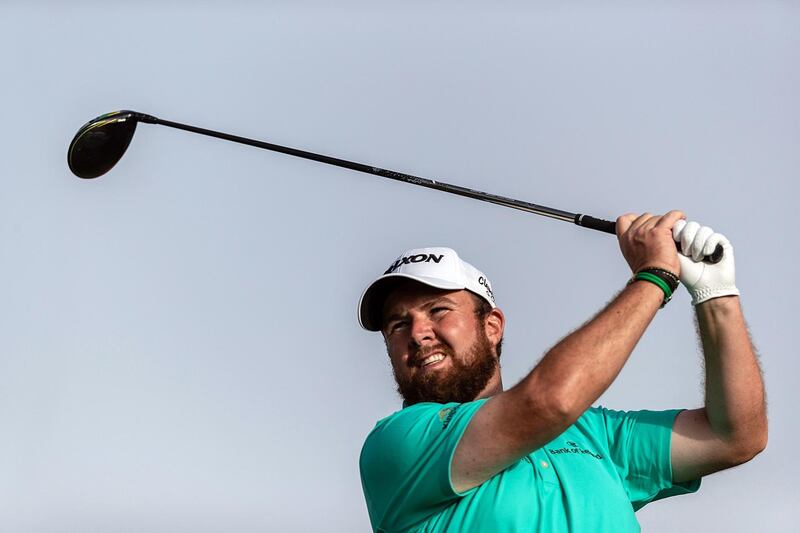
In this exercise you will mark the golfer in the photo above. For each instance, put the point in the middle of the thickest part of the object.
(465, 454)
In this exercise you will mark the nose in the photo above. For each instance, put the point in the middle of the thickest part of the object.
(422, 331)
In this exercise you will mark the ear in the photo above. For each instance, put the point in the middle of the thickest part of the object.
(494, 324)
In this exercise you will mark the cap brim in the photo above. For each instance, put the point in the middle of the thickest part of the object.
(370, 306)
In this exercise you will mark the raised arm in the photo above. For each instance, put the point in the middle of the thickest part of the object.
(576, 371)
(732, 427)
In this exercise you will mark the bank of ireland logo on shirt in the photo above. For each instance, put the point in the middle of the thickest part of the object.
(573, 448)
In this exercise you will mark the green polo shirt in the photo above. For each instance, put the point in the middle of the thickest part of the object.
(590, 478)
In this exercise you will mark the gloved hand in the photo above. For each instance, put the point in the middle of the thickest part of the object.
(704, 281)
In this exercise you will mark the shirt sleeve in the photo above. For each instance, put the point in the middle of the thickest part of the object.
(405, 463)
(639, 444)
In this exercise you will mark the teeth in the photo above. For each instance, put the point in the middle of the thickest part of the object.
(435, 358)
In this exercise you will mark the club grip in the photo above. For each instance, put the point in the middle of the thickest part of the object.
(714, 258)
(608, 226)
(596, 223)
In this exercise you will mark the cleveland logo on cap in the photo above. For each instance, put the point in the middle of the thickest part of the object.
(418, 258)
(485, 282)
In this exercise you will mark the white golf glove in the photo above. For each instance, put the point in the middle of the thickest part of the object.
(704, 281)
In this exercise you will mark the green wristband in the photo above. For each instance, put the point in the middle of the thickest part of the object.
(652, 278)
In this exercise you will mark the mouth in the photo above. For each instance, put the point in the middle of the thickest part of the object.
(432, 361)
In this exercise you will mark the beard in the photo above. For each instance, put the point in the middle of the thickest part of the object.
(468, 376)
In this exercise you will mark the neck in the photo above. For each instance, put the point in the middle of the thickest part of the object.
(495, 386)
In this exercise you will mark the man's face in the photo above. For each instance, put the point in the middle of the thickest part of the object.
(440, 350)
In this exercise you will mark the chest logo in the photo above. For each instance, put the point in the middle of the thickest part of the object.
(573, 448)
(446, 415)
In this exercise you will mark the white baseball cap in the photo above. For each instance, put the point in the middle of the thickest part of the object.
(436, 267)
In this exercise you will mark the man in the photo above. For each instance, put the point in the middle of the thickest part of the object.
(466, 455)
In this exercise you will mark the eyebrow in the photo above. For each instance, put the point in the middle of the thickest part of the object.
(432, 303)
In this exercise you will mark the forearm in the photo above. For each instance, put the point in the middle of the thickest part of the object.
(735, 403)
(577, 370)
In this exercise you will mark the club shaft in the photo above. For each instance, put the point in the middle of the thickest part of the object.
(87, 159)
(558, 214)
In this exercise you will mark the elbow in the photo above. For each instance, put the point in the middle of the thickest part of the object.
(548, 403)
(758, 441)
(758, 445)
(747, 450)
(761, 444)
(565, 408)
(557, 408)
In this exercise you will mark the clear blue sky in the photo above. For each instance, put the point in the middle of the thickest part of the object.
(179, 348)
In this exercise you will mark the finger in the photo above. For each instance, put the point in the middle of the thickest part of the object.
(712, 242)
(687, 236)
(671, 218)
(650, 223)
(624, 222)
(677, 228)
(699, 243)
(639, 222)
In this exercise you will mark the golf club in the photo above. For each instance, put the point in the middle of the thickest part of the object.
(101, 143)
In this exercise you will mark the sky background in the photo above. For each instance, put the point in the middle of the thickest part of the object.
(179, 348)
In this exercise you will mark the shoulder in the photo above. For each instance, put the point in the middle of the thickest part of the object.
(603, 415)
(414, 415)
(419, 421)
(617, 425)
(405, 460)
(641, 431)
(594, 420)
(405, 433)
(639, 445)
(659, 418)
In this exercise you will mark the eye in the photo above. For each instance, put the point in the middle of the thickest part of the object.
(439, 310)
(397, 326)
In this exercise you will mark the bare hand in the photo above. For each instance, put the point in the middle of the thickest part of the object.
(646, 241)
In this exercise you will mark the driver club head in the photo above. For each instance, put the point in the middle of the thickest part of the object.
(101, 142)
